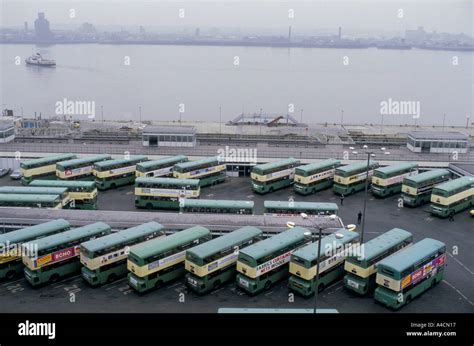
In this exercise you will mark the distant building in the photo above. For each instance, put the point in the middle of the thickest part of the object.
(42, 31)
(198, 32)
(437, 142)
(88, 28)
(417, 35)
(7, 131)
(339, 36)
(142, 30)
(26, 26)
(169, 136)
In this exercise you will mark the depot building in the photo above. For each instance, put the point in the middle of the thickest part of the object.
(437, 142)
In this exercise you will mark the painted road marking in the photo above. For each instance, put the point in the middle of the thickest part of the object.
(459, 292)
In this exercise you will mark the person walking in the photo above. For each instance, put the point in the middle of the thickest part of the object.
(342, 199)
(359, 217)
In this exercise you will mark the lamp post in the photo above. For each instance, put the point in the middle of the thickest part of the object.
(342, 117)
(220, 120)
(320, 231)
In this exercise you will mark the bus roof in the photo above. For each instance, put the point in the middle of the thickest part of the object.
(33, 232)
(216, 203)
(189, 164)
(62, 183)
(356, 166)
(397, 167)
(427, 175)
(103, 164)
(163, 161)
(122, 236)
(275, 164)
(159, 245)
(32, 190)
(455, 184)
(48, 159)
(404, 259)
(300, 205)
(164, 181)
(14, 197)
(278, 241)
(74, 234)
(310, 252)
(318, 165)
(383, 242)
(88, 159)
(224, 241)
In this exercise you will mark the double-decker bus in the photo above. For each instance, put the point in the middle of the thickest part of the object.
(361, 268)
(452, 197)
(416, 190)
(82, 194)
(264, 263)
(105, 258)
(10, 245)
(159, 168)
(209, 171)
(31, 201)
(42, 168)
(113, 173)
(211, 264)
(164, 193)
(272, 176)
(51, 258)
(410, 272)
(290, 208)
(217, 206)
(352, 178)
(334, 250)
(79, 169)
(159, 261)
(34, 190)
(315, 177)
(388, 180)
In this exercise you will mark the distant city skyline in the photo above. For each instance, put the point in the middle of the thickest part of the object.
(368, 16)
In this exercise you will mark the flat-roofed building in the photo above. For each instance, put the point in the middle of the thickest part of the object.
(437, 142)
(169, 136)
(7, 131)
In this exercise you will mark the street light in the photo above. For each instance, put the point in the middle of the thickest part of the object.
(291, 224)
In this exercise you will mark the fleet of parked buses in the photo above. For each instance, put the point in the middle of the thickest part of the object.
(390, 267)
(175, 182)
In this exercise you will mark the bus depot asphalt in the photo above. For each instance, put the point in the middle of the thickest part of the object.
(455, 294)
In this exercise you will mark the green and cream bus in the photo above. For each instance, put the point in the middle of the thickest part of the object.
(164, 193)
(82, 194)
(34, 190)
(211, 264)
(209, 171)
(110, 174)
(452, 197)
(31, 201)
(271, 176)
(79, 169)
(159, 168)
(416, 190)
(215, 206)
(159, 261)
(105, 258)
(290, 208)
(57, 256)
(410, 272)
(263, 264)
(10, 245)
(42, 168)
(388, 180)
(361, 269)
(315, 177)
(352, 178)
(334, 250)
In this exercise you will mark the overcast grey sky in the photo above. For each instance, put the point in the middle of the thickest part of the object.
(361, 15)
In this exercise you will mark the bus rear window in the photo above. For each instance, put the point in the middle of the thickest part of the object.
(387, 271)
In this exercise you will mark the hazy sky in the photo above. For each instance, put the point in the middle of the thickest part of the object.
(359, 15)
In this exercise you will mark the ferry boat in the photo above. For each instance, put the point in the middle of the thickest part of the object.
(38, 60)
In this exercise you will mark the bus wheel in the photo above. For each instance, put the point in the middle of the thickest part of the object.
(113, 185)
(54, 278)
(321, 288)
(267, 285)
(112, 277)
(271, 189)
(149, 206)
(408, 300)
(10, 275)
(216, 285)
(159, 284)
